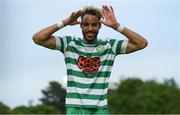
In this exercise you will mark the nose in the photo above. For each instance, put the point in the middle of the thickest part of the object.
(89, 27)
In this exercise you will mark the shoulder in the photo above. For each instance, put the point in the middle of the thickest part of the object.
(66, 39)
(118, 46)
(107, 41)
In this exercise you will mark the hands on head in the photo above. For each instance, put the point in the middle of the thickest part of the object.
(73, 19)
(108, 19)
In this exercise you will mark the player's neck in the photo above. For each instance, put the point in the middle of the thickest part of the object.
(90, 42)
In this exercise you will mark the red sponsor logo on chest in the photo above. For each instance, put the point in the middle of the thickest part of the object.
(88, 64)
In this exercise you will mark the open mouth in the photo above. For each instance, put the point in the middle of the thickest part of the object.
(90, 34)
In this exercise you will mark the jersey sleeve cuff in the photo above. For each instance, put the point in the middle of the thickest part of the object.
(124, 46)
(58, 46)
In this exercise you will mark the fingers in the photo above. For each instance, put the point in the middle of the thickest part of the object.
(112, 9)
(77, 14)
(72, 14)
(107, 9)
(73, 19)
(104, 13)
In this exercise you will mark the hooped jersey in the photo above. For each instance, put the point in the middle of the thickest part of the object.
(88, 69)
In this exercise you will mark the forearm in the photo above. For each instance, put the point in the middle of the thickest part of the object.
(45, 33)
(135, 38)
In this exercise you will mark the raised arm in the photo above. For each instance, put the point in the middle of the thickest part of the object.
(45, 36)
(136, 41)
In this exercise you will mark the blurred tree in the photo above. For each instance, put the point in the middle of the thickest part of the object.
(21, 110)
(4, 109)
(136, 96)
(38, 109)
(133, 96)
(43, 109)
(54, 95)
(130, 86)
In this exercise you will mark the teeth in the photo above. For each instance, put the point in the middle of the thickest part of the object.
(90, 34)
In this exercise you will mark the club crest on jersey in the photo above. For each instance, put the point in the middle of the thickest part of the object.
(100, 48)
(88, 64)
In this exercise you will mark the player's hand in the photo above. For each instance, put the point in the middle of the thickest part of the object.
(72, 20)
(109, 18)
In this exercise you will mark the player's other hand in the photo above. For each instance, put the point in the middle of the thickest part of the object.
(73, 19)
(109, 18)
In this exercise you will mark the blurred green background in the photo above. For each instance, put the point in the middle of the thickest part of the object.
(131, 95)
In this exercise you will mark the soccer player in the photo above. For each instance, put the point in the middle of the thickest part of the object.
(89, 60)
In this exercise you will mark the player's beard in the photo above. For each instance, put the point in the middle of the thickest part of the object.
(90, 36)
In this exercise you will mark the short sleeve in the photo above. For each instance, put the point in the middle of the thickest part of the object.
(119, 46)
(62, 42)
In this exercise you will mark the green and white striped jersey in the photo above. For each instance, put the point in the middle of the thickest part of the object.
(88, 69)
